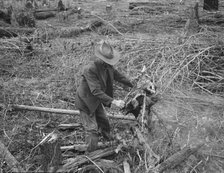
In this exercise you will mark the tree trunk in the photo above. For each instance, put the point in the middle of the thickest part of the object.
(211, 5)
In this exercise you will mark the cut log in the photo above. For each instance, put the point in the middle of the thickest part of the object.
(9, 159)
(74, 163)
(177, 158)
(13, 32)
(83, 147)
(50, 149)
(61, 111)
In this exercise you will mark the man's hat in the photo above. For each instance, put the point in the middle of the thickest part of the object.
(105, 52)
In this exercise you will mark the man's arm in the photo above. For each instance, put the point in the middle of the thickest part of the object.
(95, 88)
(122, 79)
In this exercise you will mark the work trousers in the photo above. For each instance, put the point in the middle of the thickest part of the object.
(93, 124)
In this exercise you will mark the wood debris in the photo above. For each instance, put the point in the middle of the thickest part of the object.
(10, 159)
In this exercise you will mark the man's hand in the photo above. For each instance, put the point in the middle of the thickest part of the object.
(118, 103)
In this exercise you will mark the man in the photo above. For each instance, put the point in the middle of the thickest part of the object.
(96, 91)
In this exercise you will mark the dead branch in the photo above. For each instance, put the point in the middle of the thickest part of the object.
(73, 164)
(69, 126)
(10, 159)
(143, 141)
(60, 111)
(14, 31)
(83, 147)
(177, 158)
(127, 168)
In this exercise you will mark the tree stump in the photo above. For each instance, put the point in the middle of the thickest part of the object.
(79, 11)
(108, 9)
(52, 157)
(192, 24)
(61, 6)
(29, 5)
(211, 5)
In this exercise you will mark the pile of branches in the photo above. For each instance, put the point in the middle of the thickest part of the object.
(195, 62)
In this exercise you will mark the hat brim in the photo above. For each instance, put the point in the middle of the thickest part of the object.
(113, 61)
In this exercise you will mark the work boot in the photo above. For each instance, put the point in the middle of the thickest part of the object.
(92, 142)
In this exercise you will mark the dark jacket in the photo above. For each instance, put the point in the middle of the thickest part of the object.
(96, 86)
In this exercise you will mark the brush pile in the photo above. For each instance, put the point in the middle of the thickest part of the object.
(195, 62)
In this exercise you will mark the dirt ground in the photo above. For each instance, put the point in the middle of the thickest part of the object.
(50, 75)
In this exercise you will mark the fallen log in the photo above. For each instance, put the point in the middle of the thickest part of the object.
(83, 147)
(45, 10)
(14, 32)
(71, 32)
(44, 15)
(136, 4)
(74, 163)
(50, 9)
(60, 111)
(9, 159)
(177, 158)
